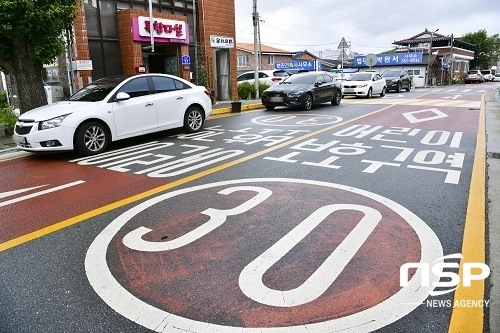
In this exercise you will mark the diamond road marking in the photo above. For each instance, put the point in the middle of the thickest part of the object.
(410, 116)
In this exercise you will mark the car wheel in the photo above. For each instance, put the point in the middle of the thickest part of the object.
(337, 97)
(193, 119)
(382, 93)
(268, 107)
(369, 93)
(91, 138)
(308, 102)
(398, 88)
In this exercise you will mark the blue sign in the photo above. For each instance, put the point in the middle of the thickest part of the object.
(390, 59)
(186, 60)
(296, 64)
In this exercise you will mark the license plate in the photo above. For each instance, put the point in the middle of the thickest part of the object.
(276, 99)
(18, 139)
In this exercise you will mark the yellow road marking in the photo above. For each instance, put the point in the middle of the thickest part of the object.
(471, 319)
(77, 219)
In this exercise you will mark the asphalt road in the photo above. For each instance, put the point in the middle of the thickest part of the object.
(267, 221)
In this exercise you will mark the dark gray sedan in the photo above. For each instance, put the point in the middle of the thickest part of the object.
(303, 90)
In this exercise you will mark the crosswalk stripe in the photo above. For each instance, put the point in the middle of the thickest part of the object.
(424, 102)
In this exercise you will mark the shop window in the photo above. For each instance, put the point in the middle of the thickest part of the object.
(95, 50)
(92, 20)
(120, 5)
(108, 19)
(112, 58)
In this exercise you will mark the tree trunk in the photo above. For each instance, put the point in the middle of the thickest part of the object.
(28, 74)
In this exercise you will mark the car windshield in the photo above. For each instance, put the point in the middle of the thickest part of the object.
(391, 74)
(485, 72)
(300, 79)
(360, 77)
(94, 92)
(473, 72)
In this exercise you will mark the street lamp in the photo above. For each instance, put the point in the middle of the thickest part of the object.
(429, 58)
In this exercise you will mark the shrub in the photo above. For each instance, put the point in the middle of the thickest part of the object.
(246, 90)
(7, 116)
(262, 86)
(3, 99)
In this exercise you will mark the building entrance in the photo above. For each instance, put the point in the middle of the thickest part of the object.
(222, 70)
(165, 60)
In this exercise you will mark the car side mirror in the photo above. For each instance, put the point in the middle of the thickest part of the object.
(122, 96)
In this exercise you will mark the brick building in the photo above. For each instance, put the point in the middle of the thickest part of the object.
(112, 38)
(269, 56)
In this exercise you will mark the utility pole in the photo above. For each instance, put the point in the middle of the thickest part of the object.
(151, 30)
(255, 17)
(429, 59)
(452, 68)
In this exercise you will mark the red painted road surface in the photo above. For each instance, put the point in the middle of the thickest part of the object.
(100, 187)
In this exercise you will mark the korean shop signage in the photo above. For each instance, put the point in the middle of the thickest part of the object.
(296, 64)
(164, 30)
(221, 42)
(390, 59)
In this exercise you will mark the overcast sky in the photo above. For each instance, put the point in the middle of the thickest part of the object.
(371, 26)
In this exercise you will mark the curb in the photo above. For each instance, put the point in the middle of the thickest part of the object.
(229, 110)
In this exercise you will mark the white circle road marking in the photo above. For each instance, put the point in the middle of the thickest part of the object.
(297, 120)
(388, 311)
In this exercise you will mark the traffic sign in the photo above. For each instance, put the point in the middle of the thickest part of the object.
(186, 60)
(371, 60)
(343, 44)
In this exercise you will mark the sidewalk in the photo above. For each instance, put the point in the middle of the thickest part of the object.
(492, 114)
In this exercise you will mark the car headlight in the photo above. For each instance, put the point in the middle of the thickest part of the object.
(363, 85)
(394, 80)
(51, 123)
(295, 93)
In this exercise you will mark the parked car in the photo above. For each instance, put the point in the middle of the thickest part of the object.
(496, 77)
(270, 77)
(397, 80)
(303, 90)
(111, 109)
(364, 84)
(474, 75)
(487, 75)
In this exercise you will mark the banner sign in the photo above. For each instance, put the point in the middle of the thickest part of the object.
(222, 42)
(164, 31)
(296, 64)
(391, 59)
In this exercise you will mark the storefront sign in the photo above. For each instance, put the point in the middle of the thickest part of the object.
(222, 42)
(411, 58)
(164, 31)
(82, 65)
(296, 64)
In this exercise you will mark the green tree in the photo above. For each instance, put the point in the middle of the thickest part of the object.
(31, 34)
(487, 48)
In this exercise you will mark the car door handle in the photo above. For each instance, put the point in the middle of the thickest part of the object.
(180, 97)
(149, 104)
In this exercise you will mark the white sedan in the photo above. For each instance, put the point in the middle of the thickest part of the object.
(112, 109)
(364, 84)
